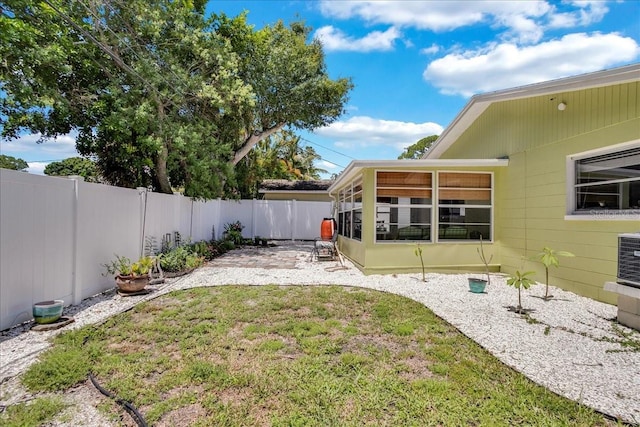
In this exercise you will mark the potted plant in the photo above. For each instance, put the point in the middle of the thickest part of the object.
(130, 277)
(476, 285)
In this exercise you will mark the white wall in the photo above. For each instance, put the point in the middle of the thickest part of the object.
(55, 233)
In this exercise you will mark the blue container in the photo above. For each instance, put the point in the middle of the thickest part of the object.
(47, 311)
(477, 285)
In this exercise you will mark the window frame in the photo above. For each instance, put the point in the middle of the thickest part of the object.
(409, 206)
(490, 206)
(572, 213)
(350, 209)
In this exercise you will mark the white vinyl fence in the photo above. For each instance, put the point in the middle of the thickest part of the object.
(55, 233)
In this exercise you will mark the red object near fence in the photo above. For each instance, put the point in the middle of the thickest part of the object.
(327, 228)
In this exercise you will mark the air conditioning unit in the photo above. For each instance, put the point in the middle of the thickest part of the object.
(629, 259)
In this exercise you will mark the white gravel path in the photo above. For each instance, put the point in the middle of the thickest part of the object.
(574, 350)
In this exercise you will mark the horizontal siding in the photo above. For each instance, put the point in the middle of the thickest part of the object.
(533, 193)
(524, 124)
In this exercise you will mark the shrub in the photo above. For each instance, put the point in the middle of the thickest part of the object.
(233, 232)
(179, 259)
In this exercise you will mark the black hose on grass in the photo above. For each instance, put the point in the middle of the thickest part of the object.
(137, 416)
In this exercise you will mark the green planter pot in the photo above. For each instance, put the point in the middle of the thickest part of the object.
(477, 285)
(47, 311)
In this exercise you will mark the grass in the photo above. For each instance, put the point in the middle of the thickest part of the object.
(36, 413)
(299, 356)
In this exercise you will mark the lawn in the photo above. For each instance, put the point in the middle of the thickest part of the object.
(298, 356)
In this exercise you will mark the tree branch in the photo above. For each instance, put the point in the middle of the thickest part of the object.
(252, 140)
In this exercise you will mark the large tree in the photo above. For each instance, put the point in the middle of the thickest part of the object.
(14, 163)
(161, 95)
(419, 149)
(85, 168)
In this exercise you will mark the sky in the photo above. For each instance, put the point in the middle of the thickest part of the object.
(415, 64)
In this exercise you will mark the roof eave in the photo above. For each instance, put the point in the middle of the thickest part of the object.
(479, 103)
(294, 191)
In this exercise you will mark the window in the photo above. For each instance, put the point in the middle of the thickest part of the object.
(350, 211)
(403, 206)
(608, 182)
(464, 205)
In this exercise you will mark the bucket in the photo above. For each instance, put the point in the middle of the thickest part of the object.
(327, 228)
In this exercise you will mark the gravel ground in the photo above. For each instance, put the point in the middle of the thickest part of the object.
(569, 345)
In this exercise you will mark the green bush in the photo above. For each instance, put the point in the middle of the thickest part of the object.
(179, 259)
(228, 245)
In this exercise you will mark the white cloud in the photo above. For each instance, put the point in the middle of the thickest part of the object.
(37, 168)
(587, 13)
(434, 48)
(335, 40)
(506, 65)
(323, 164)
(519, 17)
(363, 131)
(61, 147)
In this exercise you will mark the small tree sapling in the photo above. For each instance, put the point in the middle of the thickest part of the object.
(418, 253)
(520, 280)
(549, 258)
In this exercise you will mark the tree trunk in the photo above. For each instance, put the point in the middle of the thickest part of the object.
(252, 140)
(161, 159)
(161, 171)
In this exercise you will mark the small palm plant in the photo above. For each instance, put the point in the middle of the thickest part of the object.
(418, 253)
(521, 280)
(549, 258)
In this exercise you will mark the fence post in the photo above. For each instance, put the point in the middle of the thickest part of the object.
(294, 218)
(76, 295)
(142, 192)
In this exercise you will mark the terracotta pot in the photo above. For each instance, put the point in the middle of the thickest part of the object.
(132, 283)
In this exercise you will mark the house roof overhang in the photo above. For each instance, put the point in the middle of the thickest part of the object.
(299, 186)
(479, 103)
(355, 167)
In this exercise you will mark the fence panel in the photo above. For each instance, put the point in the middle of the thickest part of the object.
(237, 210)
(109, 222)
(56, 233)
(308, 217)
(36, 243)
(274, 219)
(205, 220)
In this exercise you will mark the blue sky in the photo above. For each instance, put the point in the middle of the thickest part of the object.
(415, 64)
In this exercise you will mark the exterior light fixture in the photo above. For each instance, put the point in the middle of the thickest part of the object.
(562, 106)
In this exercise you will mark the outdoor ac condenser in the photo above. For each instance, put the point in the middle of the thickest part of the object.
(629, 259)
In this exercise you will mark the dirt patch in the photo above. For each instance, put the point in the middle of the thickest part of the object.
(185, 416)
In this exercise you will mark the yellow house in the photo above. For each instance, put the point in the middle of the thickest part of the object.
(550, 164)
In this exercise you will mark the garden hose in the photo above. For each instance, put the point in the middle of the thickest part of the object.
(137, 416)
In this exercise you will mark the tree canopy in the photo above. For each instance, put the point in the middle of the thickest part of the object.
(74, 166)
(161, 95)
(419, 149)
(280, 156)
(9, 162)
